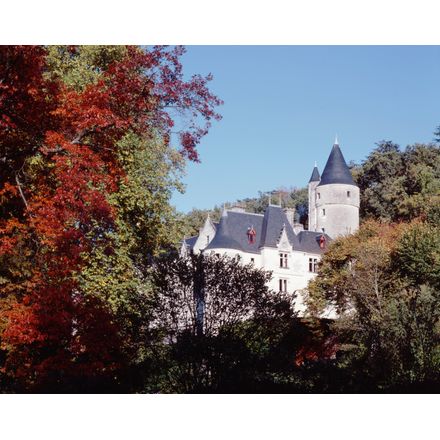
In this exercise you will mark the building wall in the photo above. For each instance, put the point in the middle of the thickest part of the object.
(337, 213)
(206, 234)
(297, 273)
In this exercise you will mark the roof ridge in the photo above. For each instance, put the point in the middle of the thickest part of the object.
(248, 213)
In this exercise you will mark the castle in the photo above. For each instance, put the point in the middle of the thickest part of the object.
(274, 241)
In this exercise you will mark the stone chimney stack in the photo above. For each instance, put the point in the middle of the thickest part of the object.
(293, 218)
(290, 214)
(298, 227)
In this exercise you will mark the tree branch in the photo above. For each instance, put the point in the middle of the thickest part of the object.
(21, 192)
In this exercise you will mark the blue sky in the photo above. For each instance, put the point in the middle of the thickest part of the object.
(284, 105)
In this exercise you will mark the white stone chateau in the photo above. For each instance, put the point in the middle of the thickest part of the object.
(274, 241)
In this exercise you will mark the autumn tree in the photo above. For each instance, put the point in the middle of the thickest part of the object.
(88, 166)
(384, 283)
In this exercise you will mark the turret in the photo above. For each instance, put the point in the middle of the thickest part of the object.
(313, 183)
(337, 197)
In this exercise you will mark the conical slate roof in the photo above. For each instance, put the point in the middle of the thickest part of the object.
(336, 169)
(315, 175)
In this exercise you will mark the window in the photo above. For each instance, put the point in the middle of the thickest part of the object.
(252, 260)
(284, 260)
(323, 212)
(348, 193)
(319, 195)
(313, 265)
(207, 239)
(283, 285)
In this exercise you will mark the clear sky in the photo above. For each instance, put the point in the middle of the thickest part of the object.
(284, 105)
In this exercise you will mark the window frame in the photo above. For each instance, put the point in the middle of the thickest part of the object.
(284, 260)
(313, 265)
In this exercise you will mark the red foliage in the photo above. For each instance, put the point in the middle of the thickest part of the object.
(51, 328)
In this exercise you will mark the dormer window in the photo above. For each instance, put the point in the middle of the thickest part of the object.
(251, 233)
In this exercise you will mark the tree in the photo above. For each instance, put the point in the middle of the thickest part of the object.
(85, 139)
(398, 185)
(218, 322)
(384, 284)
(381, 182)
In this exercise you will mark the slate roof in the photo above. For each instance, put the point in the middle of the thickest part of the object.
(232, 232)
(315, 175)
(309, 242)
(336, 169)
(274, 221)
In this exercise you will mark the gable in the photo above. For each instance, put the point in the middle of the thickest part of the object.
(283, 242)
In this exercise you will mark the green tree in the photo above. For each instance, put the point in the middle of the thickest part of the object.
(398, 185)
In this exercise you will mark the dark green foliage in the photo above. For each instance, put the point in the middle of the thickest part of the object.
(398, 185)
(194, 220)
(417, 256)
(380, 182)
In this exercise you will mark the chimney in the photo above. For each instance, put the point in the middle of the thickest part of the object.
(293, 220)
(290, 214)
(237, 208)
(298, 227)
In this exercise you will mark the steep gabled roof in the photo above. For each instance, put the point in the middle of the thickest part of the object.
(274, 221)
(336, 169)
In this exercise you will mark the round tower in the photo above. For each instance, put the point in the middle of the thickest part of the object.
(337, 197)
(313, 183)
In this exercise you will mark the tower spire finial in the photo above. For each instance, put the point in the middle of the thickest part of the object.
(315, 164)
(336, 140)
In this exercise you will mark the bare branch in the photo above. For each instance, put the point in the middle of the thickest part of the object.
(21, 191)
